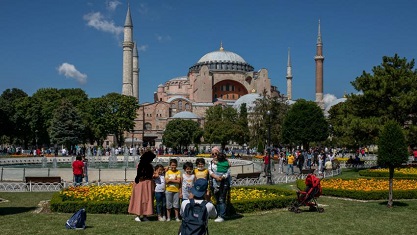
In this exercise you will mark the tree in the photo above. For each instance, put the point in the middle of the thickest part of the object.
(66, 125)
(243, 136)
(221, 125)
(181, 133)
(304, 123)
(392, 151)
(390, 93)
(120, 113)
(259, 120)
(8, 101)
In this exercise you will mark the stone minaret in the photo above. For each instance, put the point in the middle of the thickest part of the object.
(127, 88)
(136, 73)
(319, 70)
(289, 77)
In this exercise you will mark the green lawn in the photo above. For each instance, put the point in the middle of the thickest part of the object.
(340, 217)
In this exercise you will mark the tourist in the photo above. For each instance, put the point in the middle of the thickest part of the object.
(141, 201)
(197, 193)
(300, 162)
(267, 159)
(290, 164)
(187, 180)
(281, 163)
(173, 189)
(78, 170)
(220, 174)
(85, 161)
(160, 198)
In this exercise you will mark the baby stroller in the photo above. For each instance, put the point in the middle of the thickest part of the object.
(309, 196)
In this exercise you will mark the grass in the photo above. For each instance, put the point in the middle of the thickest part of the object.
(340, 217)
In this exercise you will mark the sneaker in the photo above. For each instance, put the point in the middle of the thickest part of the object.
(219, 219)
(177, 219)
(164, 218)
(145, 219)
(137, 219)
(168, 219)
(161, 218)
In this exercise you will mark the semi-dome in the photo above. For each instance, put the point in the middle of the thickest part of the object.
(185, 115)
(248, 99)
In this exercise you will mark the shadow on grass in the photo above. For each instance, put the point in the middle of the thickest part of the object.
(234, 217)
(394, 204)
(15, 210)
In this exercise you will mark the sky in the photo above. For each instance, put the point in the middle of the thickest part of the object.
(78, 43)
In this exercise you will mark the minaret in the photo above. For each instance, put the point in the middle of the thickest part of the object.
(127, 88)
(319, 70)
(289, 77)
(136, 73)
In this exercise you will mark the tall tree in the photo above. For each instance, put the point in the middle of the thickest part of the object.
(304, 123)
(243, 136)
(66, 125)
(120, 113)
(392, 151)
(8, 101)
(389, 93)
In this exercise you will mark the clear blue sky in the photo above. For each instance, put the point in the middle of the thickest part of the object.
(77, 43)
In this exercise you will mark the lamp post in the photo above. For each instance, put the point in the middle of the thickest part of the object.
(133, 131)
(269, 177)
(36, 138)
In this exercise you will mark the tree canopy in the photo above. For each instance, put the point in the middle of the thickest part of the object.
(181, 133)
(304, 123)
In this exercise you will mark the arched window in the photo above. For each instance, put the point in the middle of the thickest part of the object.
(148, 126)
(180, 105)
(187, 106)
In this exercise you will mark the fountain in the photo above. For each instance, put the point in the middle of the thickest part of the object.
(54, 163)
(44, 162)
(126, 156)
(112, 159)
(91, 158)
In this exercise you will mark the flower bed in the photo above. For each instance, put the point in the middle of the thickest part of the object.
(367, 189)
(115, 198)
(405, 173)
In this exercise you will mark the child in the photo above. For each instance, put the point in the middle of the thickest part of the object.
(160, 192)
(221, 171)
(173, 190)
(202, 173)
(188, 179)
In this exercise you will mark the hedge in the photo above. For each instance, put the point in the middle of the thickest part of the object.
(242, 206)
(379, 174)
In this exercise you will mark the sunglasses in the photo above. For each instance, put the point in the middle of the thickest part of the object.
(214, 154)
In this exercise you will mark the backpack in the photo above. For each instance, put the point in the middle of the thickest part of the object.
(194, 220)
(77, 220)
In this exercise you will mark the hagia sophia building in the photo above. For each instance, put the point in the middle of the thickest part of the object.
(219, 77)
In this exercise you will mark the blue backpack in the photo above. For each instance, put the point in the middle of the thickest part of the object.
(194, 219)
(77, 220)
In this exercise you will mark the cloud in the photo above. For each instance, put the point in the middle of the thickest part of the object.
(97, 21)
(328, 98)
(112, 5)
(69, 71)
(143, 48)
(162, 38)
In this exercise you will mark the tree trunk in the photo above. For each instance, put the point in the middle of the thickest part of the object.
(391, 177)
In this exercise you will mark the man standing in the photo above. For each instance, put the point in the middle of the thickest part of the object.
(290, 162)
(78, 170)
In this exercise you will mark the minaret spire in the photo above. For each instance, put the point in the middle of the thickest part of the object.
(128, 44)
(289, 76)
(319, 58)
(135, 72)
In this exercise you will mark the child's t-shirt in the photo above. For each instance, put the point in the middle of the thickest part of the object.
(160, 184)
(172, 187)
(187, 184)
(201, 173)
(223, 166)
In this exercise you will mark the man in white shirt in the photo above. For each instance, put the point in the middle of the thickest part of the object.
(198, 191)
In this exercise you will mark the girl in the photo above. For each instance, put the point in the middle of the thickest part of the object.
(202, 173)
(141, 201)
(173, 190)
(187, 180)
(160, 192)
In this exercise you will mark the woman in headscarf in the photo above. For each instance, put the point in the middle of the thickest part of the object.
(141, 201)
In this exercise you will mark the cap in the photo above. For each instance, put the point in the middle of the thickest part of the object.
(200, 187)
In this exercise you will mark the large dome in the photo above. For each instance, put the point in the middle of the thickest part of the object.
(249, 100)
(221, 55)
(222, 60)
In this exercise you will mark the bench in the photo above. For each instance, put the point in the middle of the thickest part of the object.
(253, 175)
(307, 171)
(43, 179)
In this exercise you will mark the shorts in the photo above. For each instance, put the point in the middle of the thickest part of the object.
(173, 199)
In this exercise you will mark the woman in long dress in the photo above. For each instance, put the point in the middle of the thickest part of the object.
(141, 201)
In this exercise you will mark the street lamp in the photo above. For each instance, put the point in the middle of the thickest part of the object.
(133, 131)
(269, 177)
